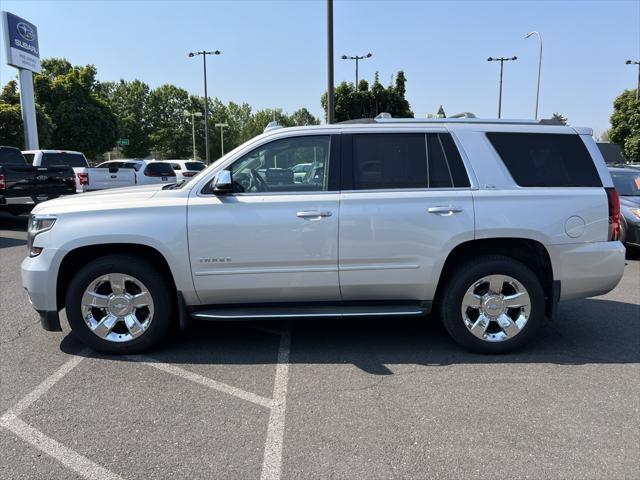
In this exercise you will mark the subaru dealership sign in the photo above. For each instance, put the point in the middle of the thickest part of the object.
(21, 42)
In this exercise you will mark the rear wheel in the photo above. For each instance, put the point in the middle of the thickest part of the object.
(119, 304)
(494, 305)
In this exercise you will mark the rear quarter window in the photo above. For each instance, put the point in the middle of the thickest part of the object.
(198, 166)
(160, 167)
(546, 159)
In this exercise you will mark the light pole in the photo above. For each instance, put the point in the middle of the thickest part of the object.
(204, 54)
(631, 62)
(501, 60)
(539, 66)
(331, 113)
(357, 58)
(222, 126)
(193, 129)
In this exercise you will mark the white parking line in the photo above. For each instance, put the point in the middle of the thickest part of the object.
(76, 462)
(207, 382)
(272, 463)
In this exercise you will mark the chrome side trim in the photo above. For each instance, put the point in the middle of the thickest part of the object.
(251, 271)
(352, 268)
(228, 316)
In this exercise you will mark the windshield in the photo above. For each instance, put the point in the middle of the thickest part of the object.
(627, 183)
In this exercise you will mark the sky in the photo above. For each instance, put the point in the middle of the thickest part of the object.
(274, 52)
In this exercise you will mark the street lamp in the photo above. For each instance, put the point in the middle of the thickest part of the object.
(539, 66)
(501, 60)
(193, 128)
(222, 126)
(357, 58)
(631, 62)
(204, 54)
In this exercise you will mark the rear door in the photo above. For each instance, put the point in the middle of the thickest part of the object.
(405, 203)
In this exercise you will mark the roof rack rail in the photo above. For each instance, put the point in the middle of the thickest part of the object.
(463, 117)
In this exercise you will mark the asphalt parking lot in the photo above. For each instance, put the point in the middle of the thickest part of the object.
(321, 399)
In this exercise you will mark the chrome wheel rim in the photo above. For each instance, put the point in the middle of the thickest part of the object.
(496, 308)
(117, 307)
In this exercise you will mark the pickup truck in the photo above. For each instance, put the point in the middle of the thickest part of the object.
(22, 186)
(87, 179)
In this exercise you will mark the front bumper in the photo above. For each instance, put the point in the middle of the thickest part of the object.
(40, 279)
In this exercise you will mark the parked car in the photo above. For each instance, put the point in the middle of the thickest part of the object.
(186, 169)
(22, 185)
(487, 223)
(147, 172)
(75, 160)
(627, 183)
(300, 171)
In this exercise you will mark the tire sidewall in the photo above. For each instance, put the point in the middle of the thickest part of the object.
(143, 271)
(467, 276)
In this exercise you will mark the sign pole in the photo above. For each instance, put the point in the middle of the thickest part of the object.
(28, 107)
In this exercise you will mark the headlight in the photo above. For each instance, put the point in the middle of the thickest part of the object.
(37, 225)
(635, 211)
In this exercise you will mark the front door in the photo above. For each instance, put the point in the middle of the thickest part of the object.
(275, 239)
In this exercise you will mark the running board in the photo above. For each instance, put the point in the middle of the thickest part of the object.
(274, 312)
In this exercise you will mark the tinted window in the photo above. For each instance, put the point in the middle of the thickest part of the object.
(197, 166)
(439, 172)
(135, 166)
(268, 167)
(29, 157)
(69, 159)
(176, 166)
(546, 159)
(454, 160)
(389, 161)
(160, 168)
(11, 156)
(626, 183)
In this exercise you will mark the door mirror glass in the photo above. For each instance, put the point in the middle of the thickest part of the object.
(223, 183)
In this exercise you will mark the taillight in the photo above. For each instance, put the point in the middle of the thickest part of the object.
(83, 178)
(3, 185)
(189, 174)
(614, 214)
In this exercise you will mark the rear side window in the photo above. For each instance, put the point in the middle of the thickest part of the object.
(546, 159)
(69, 159)
(412, 160)
(11, 156)
(389, 161)
(160, 168)
(197, 166)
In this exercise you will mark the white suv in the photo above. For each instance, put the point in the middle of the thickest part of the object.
(487, 223)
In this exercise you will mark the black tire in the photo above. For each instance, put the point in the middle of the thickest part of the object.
(464, 277)
(161, 293)
(623, 231)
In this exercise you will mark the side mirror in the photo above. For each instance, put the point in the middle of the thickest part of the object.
(223, 184)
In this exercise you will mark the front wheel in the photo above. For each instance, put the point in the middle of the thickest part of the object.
(119, 304)
(494, 305)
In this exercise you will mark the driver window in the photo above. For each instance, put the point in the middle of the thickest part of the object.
(297, 164)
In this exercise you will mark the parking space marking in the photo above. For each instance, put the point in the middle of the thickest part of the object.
(76, 462)
(207, 382)
(49, 382)
(272, 463)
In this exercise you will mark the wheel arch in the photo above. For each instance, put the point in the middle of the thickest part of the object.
(531, 253)
(75, 259)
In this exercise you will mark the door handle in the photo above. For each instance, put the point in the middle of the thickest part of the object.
(313, 214)
(444, 210)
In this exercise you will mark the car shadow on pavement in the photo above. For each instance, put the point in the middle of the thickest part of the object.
(586, 331)
(13, 222)
(11, 242)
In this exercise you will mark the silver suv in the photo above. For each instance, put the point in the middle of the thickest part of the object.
(486, 223)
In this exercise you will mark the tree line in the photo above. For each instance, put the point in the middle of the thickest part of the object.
(75, 111)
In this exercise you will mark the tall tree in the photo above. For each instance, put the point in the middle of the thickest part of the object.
(82, 120)
(559, 118)
(170, 128)
(129, 102)
(11, 126)
(625, 124)
(368, 102)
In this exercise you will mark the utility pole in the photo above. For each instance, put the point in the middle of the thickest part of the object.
(631, 62)
(204, 54)
(501, 60)
(222, 126)
(539, 67)
(330, 92)
(357, 58)
(193, 129)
